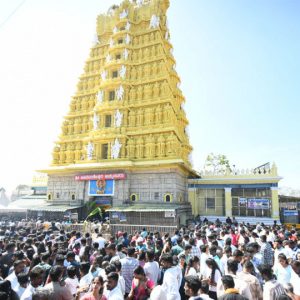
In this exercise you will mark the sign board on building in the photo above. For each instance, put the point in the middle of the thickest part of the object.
(258, 203)
(288, 213)
(101, 187)
(87, 177)
(103, 202)
(169, 214)
(114, 215)
(243, 201)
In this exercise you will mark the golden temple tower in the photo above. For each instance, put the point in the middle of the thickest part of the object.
(126, 118)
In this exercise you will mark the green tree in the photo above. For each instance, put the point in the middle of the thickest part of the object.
(217, 163)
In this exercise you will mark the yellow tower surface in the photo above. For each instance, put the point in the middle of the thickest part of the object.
(128, 108)
(124, 139)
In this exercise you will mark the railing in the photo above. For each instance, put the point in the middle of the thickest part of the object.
(130, 229)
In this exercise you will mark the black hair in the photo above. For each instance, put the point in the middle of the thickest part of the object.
(139, 271)
(55, 273)
(214, 266)
(71, 271)
(228, 282)
(110, 269)
(193, 282)
(204, 287)
(150, 254)
(85, 267)
(118, 265)
(114, 276)
(232, 265)
(23, 278)
(266, 271)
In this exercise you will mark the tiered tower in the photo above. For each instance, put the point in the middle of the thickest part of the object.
(128, 105)
(127, 114)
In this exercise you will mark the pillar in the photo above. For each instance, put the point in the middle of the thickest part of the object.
(228, 202)
(275, 203)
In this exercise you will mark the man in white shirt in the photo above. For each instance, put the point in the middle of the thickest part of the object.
(272, 288)
(86, 275)
(23, 283)
(19, 267)
(113, 291)
(36, 279)
(151, 267)
(172, 281)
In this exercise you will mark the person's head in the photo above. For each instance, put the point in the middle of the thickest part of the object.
(55, 273)
(282, 259)
(19, 266)
(45, 257)
(111, 249)
(84, 268)
(166, 261)
(194, 262)
(36, 276)
(204, 287)
(211, 263)
(118, 265)
(150, 255)
(192, 285)
(97, 284)
(296, 266)
(204, 248)
(238, 255)
(71, 271)
(248, 267)
(23, 279)
(219, 252)
(213, 250)
(112, 280)
(278, 244)
(228, 282)
(41, 294)
(266, 272)
(263, 238)
(111, 268)
(70, 256)
(188, 249)
(139, 273)
(232, 266)
(130, 251)
(228, 251)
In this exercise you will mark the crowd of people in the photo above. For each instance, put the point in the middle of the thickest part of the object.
(42, 260)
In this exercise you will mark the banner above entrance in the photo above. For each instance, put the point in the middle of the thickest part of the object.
(116, 176)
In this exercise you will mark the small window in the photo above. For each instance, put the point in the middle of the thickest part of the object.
(104, 151)
(73, 197)
(112, 95)
(156, 196)
(168, 197)
(50, 196)
(108, 121)
(210, 203)
(114, 74)
(120, 41)
(118, 56)
(57, 195)
(133, 197)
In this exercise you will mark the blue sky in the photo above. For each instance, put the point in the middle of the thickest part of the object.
(238, 61)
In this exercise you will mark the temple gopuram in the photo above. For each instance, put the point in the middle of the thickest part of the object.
(124, 144)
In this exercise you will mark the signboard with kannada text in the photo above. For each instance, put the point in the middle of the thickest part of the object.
(87, 177)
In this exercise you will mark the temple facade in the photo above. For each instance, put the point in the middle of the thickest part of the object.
(124, 142)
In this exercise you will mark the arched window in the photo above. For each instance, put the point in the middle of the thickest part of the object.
(168, 197)
(133, 197)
